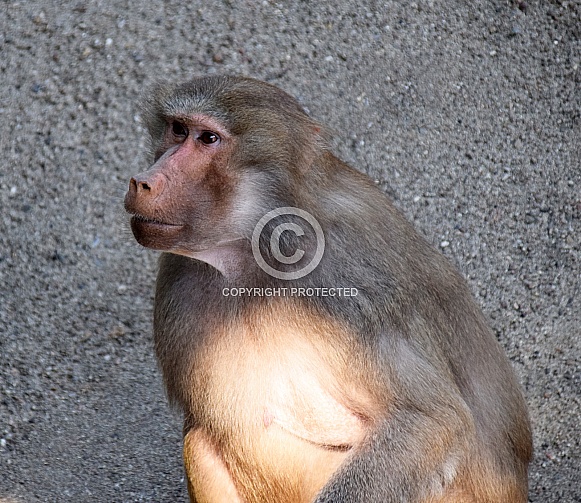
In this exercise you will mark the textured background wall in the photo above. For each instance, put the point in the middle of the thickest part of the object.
(466, 113)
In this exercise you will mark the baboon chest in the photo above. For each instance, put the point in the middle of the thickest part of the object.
(271, 405)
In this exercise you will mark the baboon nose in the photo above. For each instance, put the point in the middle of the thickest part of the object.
(147, 186)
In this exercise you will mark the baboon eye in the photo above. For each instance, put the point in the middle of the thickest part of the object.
(208, 137)
(179, 129)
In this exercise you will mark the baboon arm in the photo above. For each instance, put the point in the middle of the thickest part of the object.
(414, 453)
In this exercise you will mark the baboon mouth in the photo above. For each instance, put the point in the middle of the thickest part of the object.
(154, 233)
(142, 219)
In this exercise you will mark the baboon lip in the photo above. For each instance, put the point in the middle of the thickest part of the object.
(154, 233)
(142, 219)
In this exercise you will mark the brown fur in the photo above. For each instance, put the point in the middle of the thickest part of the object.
(287, 401)
(400, 393)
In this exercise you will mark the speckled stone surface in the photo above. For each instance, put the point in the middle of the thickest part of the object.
(466, 113)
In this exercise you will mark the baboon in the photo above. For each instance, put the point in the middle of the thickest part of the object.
(372, 377)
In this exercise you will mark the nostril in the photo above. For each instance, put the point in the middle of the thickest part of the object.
(139, 186)
(146, 185)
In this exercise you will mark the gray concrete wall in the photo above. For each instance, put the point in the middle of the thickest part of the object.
(466, 113)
